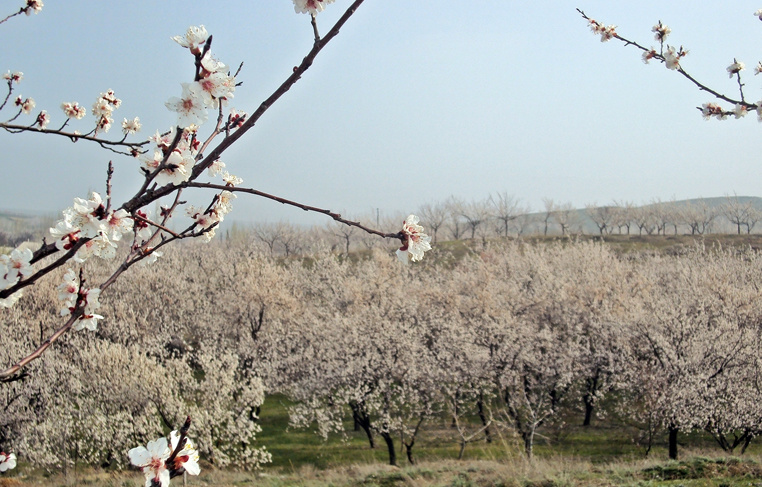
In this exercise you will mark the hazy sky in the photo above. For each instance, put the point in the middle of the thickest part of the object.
(414, 101)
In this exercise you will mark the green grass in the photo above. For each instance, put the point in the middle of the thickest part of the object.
(602, 454)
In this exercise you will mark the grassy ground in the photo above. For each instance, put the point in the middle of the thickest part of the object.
(604, 454)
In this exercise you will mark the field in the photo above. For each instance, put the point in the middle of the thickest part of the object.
(602, 454)
(319, 335)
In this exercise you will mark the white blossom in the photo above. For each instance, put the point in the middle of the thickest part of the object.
(186, 458)
(310, 6)
(131, 126)
(660, 31)
(151, 459)
(416, 242)
(13, 76)
(736, 67)
(190, 107)
(194, 37)
(230, 179)
(7, 461)
(33, 6)
(73, 110)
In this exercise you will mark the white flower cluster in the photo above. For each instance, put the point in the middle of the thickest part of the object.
(416, 242)
(311, 7)
(179, 164)
(33, 6)
(735, 68)
(13, 76)
(89, 219)
(216, 214)
(103, 109)
(660, 31)
(214, 83)
(152, 459)
(672, 57)
(25, 104)
(606, 33)
(13, 267)
(73, 110)
(7, 461)
(69, 292)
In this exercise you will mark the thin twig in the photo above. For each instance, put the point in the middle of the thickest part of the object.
(329, 213)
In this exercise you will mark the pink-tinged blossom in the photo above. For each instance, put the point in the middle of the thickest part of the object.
(87, 215)
(310, 6)
(224, 204)
(26, 105)
(758, 14)
(7, 461)
(202, 219)
(416, 242)
(13, 76)
(89, 319)
(104, 124)
(740, 110)
(151, 459)
(176, 170)
(230, 179)
(187, 457)
(216, 86)
(106, 103)
(213, 65)
(215, 168)
(65, 234)
(15, 265)
(648, 55)
(33, 6)
(606, 33)
(190, 107)
(660, 31)
(193, 39)
(100, 246)
(131, 126)
(672, 57)
(709, 110)
(68, 291)
(736, 67)
(43, 119)
(143, 230)
(117, 223)
(73, 110)
(163, 141)
(236, 119)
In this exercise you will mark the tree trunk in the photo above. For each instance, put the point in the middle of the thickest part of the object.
(528, 443)
(409, 450)
(673, 442)
(588, 409)
(390, 446)
(480, 406)
(362, 420)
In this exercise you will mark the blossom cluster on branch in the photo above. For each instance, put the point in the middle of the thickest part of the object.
(671, 56)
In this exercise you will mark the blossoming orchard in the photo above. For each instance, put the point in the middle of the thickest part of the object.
(173, 161)
(137, 318)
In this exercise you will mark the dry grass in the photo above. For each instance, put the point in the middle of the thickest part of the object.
(558, 471)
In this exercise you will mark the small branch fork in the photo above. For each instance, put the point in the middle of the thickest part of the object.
(702, 87)
(149, 193)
